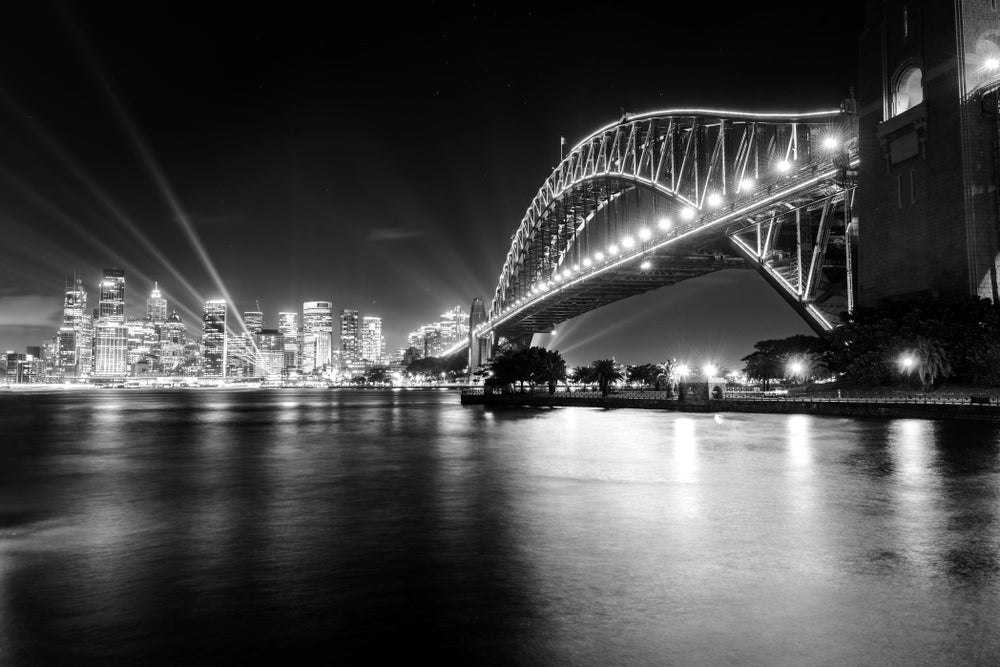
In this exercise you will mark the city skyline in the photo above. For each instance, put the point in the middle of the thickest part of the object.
(258, 164)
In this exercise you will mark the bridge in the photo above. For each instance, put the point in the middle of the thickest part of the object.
(660, 197)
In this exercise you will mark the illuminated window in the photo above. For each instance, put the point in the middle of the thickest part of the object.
(908, 91)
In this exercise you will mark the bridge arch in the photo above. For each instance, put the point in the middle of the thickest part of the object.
(659, 197)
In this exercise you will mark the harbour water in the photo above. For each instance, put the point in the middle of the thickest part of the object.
(235, 526)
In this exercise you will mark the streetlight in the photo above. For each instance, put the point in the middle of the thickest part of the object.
(710, 370)
(907, 362)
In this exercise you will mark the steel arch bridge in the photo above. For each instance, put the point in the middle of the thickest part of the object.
(660, 197)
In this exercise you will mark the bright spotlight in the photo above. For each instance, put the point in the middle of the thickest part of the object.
(586, 261)
(746, 184)
(682, 370)
(599, 255)
(687, 213)
(612, 249)
(628, 241)
(714, 199)
(829, 143)
(907, 362)
(553, 332)
(992, 63)
(710, 370)
(784, 166)
(664, 223)
(644, 234)
(645, 265)
(796, 367)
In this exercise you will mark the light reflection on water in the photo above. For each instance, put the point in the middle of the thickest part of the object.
(161, 527)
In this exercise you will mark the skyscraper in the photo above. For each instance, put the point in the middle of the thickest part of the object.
(317, 335)
(214, 343)
(173, 339)
(350, 343)
(372, 343)
(156, 305)
(289, 328)
(110, 332)
(254, 321)
(74, 338)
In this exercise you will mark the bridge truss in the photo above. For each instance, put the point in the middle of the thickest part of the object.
(661, 197)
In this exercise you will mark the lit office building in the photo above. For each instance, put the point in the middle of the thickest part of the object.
(372, 343)
(270, 353)
(317, 335)
(254, 321)
(110, 331)
(173, 340)
(74, 340)
(289, 328)
(350, 340)
(214, 343)
(156, 305)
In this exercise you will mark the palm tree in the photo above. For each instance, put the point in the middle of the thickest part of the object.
(605, 371)
(933, 361)
(806, 367)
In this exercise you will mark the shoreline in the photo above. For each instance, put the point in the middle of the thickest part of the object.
(892, 408)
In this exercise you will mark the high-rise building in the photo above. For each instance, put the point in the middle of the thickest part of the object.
(110, 331)
(372, 343)
(289, 329)
(317, 335)
(350, 340)
(214, 342)
(74, 339)
(156, 305)
(254, 321)
(270, 353)
(173, 339)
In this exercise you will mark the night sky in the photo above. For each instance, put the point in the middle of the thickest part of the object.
(377, 158)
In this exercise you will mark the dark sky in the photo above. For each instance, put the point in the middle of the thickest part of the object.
(374, 157)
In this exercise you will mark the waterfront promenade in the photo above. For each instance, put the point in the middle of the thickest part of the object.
(978, 408)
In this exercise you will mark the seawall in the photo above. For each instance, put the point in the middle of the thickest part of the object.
(845, 407)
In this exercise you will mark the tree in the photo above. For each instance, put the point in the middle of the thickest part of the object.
(604, 372)
(932, 361)
(806, 367)
(644, 374)
(378, 375)
(551, 368)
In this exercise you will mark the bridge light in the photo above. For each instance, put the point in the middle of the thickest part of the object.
(830, 143)
(644, 234)
(687, 213)
(598, 255)
(645, 265)
(612, 249)
(586, 261)
(664, 223)
(566, 273)
(628, 241)
(746, 185)
(784, 166)
(576, 267)
(714, 199)
(682, 370)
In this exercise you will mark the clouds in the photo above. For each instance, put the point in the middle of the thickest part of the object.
(390, 234)
(30, 310)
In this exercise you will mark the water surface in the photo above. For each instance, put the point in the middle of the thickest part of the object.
(161, 527)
